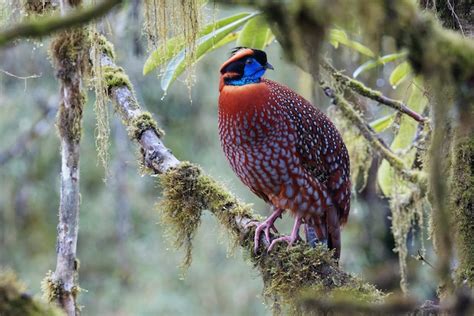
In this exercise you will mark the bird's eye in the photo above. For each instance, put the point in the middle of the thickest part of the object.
(248, 61)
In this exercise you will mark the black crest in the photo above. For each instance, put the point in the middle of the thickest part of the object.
(259, 55)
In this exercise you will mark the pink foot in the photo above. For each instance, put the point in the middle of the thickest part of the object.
(265, 226)
(289, 239)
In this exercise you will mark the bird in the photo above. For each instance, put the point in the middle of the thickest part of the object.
(285, 150)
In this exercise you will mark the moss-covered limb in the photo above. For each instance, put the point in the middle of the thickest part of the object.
(441, 216)
(139, 123)
(48, 25)
(462, 204)
(360, 88)
(15, 301)
(286, 272)
(374, 140)
(69, 53)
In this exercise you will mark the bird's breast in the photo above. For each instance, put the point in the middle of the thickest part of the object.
(247, 98)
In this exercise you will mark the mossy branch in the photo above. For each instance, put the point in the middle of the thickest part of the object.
(286, 272)
(371, 136)
(461, 204)
(68, 51)
(361, 89)
(48, 25)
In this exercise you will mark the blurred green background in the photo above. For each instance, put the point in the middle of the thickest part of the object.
(126, 264)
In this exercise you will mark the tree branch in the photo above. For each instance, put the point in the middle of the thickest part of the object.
(359, 88)
(371, 136)
(69, 53)
(46, 26)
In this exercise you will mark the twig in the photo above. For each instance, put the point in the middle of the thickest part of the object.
(46, 26)
(420, 257)
(365, 91)
(453, 13)
(25, 78)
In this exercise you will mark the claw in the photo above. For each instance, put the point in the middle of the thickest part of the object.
(289, 239)
(265, 226)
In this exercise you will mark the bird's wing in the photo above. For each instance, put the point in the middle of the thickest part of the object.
(322, 150)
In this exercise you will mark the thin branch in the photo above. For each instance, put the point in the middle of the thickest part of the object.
(374, 139)
(46, 26)
(25, 78)
(455, 16)
(360, 88)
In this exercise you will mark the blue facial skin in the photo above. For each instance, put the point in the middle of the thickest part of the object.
(253, 72)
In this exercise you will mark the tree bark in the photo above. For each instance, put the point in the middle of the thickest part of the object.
(68, 51)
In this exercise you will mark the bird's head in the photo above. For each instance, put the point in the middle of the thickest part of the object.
(245, 66)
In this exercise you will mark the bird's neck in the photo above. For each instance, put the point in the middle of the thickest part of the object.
(242, 81)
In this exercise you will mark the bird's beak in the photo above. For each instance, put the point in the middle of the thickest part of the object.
(268, 66)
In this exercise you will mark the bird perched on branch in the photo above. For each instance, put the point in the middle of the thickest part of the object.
(285, 150)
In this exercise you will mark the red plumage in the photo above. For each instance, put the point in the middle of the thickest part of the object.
(287, 152)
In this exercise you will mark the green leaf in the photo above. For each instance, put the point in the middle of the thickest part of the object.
(178, 64)
(174, 45)
(417, 101)
(382, 123)
(370, 64)
(337, 36)
(399, 74)
(254, 34)
(391, 57)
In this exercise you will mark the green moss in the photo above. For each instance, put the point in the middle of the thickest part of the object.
(70, 118)
(181, 207)
(51, 289)
(69, 55)
(14, 300)
(69, 51)
(462, 197)
(38, 7)
(285, 271)
(141, 123)
(115, 77)
(102, 45)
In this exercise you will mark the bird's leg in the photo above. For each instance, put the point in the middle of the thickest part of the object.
(311, 237)
(265, 226)
(294, 234)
